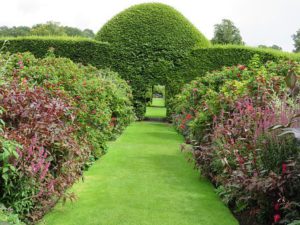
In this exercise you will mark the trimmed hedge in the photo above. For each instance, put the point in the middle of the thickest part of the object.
(202, 60)
(80, 50)
(146, 40)
(148, 67)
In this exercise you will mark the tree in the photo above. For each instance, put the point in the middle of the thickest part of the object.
(72, 31)
(48, 29)
(296, 38)
(14, 31)
(88, 33)
(273, 47)
(227, 33)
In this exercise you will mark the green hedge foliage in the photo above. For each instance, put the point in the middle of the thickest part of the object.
(146, 40)
(146, 66)
(226, 116)
(203, 60)
(80, 50)
(56, 117)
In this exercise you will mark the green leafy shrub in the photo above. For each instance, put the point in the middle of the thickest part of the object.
(55, 118)
(8, 217)
(225, 115)
(100, 95)
(148, 44)
(39, 153)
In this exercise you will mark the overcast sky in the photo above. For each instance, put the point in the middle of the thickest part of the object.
(265, 22)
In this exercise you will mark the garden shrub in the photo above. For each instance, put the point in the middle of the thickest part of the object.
(40, 156)
(226, 116)
(144, 64)
(100, 95)
(7, 216)
(56, 117)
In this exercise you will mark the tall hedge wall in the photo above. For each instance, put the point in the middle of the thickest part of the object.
(81, 50)
(169, 68)
(202, 60)
(146, 39)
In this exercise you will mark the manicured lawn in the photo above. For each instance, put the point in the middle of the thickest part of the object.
(143, 180)
(158, 102)
(156, 110)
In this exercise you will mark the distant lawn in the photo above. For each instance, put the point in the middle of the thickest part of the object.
(157, 110)
(158, 102)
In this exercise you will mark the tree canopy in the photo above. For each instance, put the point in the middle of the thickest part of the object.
(45, 29)
(296, 38)
(276, 47)
(227, 33)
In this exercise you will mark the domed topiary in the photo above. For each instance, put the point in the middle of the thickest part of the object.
(148, 41)
(153, 24)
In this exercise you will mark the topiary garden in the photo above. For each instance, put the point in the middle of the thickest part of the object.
(63, 99)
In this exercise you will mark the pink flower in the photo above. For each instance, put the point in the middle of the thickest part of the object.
(276, 207)
(277, 218)
(189, 116)
(284, 168)
(250, 108)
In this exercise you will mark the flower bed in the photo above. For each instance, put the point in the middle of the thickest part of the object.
(230, 118)
(56, 117)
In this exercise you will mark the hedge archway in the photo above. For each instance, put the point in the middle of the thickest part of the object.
(148, 41)
(147, 44)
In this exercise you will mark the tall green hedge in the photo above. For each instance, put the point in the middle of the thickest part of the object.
(80, 50)
(146, 66)
(147, 39)
(202, 60)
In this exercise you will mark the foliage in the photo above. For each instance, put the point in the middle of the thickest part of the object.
(80, 50)
(227, 33)
(159, 90)
(100, 95)
(7, 216)
(276, 47)
(226, 115)
(296, 38)
(169, 53)
(14, 31)
(56, 117)
(48, 29)
(146, 41)
(47, 158)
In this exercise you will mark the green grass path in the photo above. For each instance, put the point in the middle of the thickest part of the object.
(143, 180)
(158, 111)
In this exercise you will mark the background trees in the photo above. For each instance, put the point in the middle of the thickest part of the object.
(227, 33)
(50, 28)
(296, 38)
(273, 47)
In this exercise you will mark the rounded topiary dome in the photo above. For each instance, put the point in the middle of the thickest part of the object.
(148, 42)
(154, 24)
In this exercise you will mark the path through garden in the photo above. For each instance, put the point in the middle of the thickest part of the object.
(143, 180)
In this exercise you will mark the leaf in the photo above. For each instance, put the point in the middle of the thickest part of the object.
(291, 80)
(275, 127)
(295, 222)
(294, 131)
